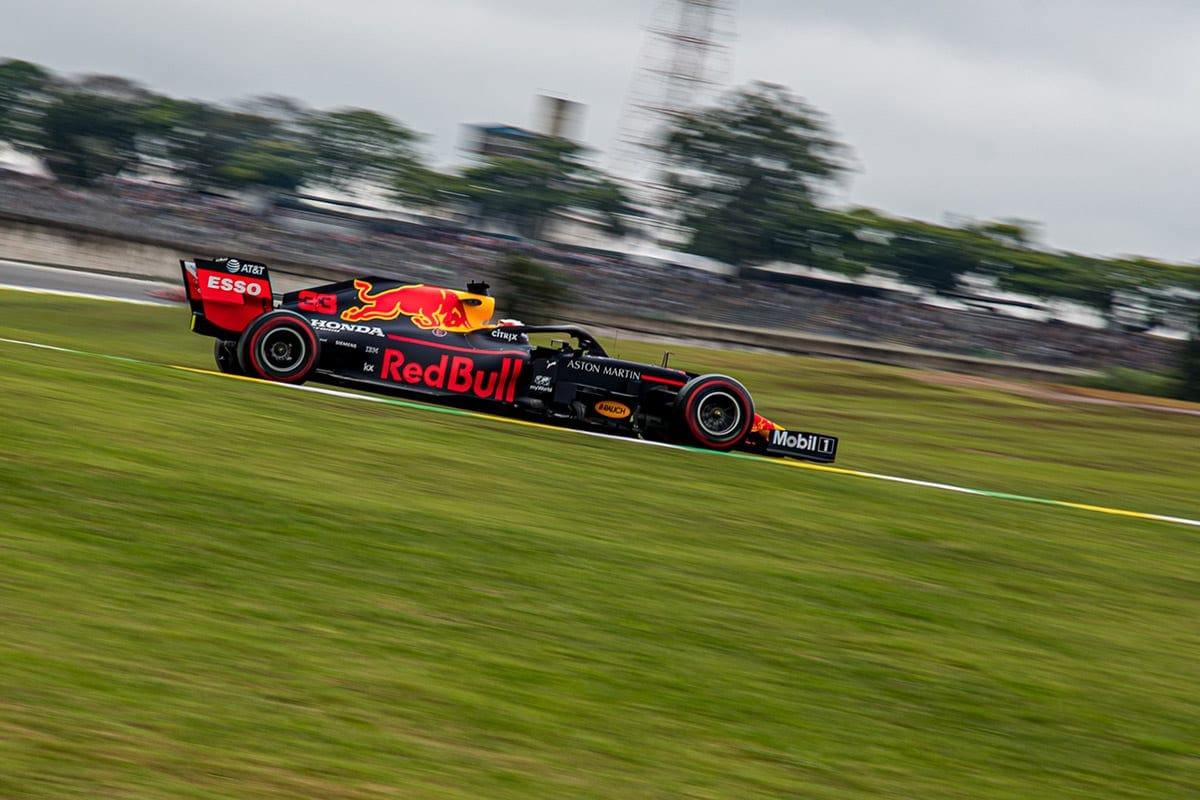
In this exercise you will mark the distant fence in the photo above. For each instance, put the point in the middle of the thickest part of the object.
(806, 344)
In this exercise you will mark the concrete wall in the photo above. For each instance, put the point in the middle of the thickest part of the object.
(74, 247)
(79, 247)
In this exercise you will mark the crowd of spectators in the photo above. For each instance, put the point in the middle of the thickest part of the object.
(599, 281)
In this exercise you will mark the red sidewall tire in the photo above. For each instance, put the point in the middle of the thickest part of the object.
(716, 411)
(279, 346)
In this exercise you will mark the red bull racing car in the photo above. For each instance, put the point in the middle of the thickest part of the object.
(388, 336)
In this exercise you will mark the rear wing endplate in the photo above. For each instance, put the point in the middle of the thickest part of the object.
(226, 294)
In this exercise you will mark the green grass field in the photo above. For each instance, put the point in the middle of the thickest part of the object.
(217, 588)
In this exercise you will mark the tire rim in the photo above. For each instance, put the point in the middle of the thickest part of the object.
(719, 415)
(283, 350)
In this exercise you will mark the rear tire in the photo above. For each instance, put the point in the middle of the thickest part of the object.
(714, 411)
(279, 346)
(226, 356)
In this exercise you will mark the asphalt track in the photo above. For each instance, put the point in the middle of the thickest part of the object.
(427, 407)
(23, 276)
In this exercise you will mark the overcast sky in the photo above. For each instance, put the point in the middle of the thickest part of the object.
(1080, 115)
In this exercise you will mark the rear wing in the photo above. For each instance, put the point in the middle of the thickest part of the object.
(226, 294)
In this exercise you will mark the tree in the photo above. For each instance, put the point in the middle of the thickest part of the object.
(1016, 233)
(274, 142)
(413, 183)
(86, 137)
(205, 140)
(924, 256)
(288, 114)
(526, 191)
(22, 91)
(266, 163)
(1189, 365)
(354, 145)
(159, 119)
(919, 253)
(748, 173)
(533, 292)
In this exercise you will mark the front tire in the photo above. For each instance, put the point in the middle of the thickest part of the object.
(714, 411)
(279, 346)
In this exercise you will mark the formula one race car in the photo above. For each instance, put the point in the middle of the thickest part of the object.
(388, 336)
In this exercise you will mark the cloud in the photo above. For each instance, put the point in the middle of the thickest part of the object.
(1040, 128)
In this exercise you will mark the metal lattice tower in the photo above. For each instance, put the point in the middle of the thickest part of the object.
(682, 67)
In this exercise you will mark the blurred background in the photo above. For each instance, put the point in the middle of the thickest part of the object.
(974, 187)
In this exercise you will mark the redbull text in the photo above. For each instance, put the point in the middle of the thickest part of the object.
(457, 374)
(428, 307)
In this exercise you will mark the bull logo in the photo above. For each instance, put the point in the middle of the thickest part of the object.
(429, 307)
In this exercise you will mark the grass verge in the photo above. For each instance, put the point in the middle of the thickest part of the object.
(217, 588)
